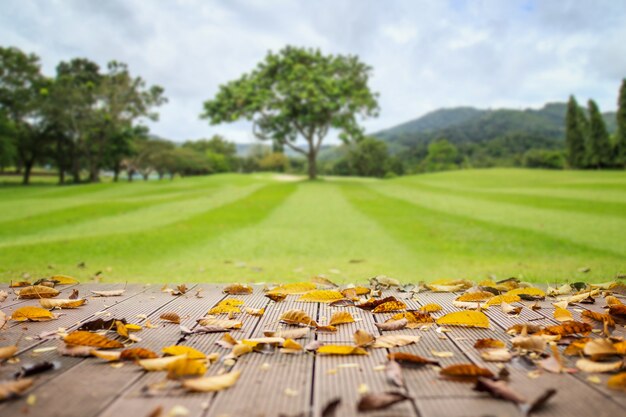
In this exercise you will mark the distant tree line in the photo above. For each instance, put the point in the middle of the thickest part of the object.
(587, 140)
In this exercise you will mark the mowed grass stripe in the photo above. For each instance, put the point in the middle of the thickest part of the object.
(107, 218)
(581, 229)
(132, 255)
(315, 231)
(449, 245)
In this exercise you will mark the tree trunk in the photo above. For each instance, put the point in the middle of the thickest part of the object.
(312, 165)
(61, 175)
(94, 174)
(28, 166)
(145, 176)
(130, 174)
(161, 175)
(116, 172)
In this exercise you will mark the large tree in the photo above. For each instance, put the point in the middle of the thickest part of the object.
(599, 152)
(575, 134)
(620, 143)
(298, 94)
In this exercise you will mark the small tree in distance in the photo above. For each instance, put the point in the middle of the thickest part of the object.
(298, 93)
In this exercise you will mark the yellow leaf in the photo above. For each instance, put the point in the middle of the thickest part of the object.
(294, 288)
(489, 344)
(341, 317)
(291, 346)
(531, 291)
(107, 356)
(133, 327)
(276, 297)
(562, 314)
(229, 305)
(618, 381)
(238, 289)
(177, 350)
(321, 296)
(32, 314)
(475, 296)
(341, 350)
(64, 279)
(297, 317)
(498, 299)
(465, 318)
(363, 338)
(37, 291)
(431, 308)
(186, 367)
(390, 306)
(83, 338)
(61, 303)
(7, 352)
(160, 364)
(212, 383)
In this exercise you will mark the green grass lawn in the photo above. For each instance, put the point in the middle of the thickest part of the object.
(539, 225)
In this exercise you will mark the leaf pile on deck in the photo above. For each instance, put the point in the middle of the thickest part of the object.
(583, 334)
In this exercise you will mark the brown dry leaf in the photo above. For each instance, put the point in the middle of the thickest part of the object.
(465, 372)
(7, 352)
(298, 333)
(389, 307)
(170, 316)
(18, 284)
(32, 314)
(3, 319)
(562, 315)
(509, 309)
(212, 383)
(568, 328)
(532, 343)
(100, 324)
(392, 325)
(61, 303)
(134, 354)
(321, 296)
(395, 340)
(464, 318)
(523, 328)
(276, 297)
(326, 329)
(11, 389)
(258, 312)
(590, 366)
(431, 308)
(238, 289)
(37, 291)
(3, 295)
(499, 389)
(489, 344)
(611, 300)
(393, 372)
(618, 381)
(372, 303)
(110, 293)
(496, 355)
(589, 316)
(178, 350)
(160, 364)
(297, 317)
(341, 350)
(599, 347)
(408, 359)
(341, 317)
(363, 338)
(380, 401)
(91, 339)
(618, 310)
(415, 318)
(73, 295)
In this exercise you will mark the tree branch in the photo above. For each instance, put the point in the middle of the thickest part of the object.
(296, 148)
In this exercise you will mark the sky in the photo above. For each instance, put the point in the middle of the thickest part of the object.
(425, 54)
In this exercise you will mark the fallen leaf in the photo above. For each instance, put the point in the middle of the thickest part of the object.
(291, 346)
(37, 291)
(107, 356)
(589, 316)
(7, 352)
(372, 303)
(474, 296)
(532, 343)
(489, 344)
(415, 318)
(32, 314)
(258, 312)
(341, 350)
(186, 367)
(321, 280)
(561, 314)
(230, 305)
(134, 354)
(237, 289)
(276, 297)
(297, 333)
(11, 389)
(293, 288)
(341, 317)
(171, 317)
(61, 303)
(498, 299)
(363, 338)
(83, 338)
(442, 354)
(297, 317)
(221, 323)
(326, 329)
(321, 296)
(389, 306)
(523, 327)
(599, 348)
(568, 328)
(212, 383)
(496, 355)
(590, 366)
(499, 389)
(394, 373)
(75, 351)
(527, 291)
(3, 319)
(464, 318)
(63, 280)
(465, 372)
(395, 340)
(3, 295)
(110, 293)
(392, 325)
(380, 401)
(178, 350)
(410, 360)
(431, 308)
(617, 382)
(330, 409)
(509, 309)
(160, 364)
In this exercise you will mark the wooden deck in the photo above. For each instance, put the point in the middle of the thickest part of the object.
(278, 384)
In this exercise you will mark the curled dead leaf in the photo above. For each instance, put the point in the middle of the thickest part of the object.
(389, 307)
(37, 291)
(238, 289)
(341, 317)
(110, 293)
(410, 360)
(489, 344)
(465, 372)
(380, 401)
(392, 325)
(171, 317)
(363, 338)
(297, 317)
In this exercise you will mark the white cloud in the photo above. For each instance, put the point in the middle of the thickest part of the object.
(425, 54)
